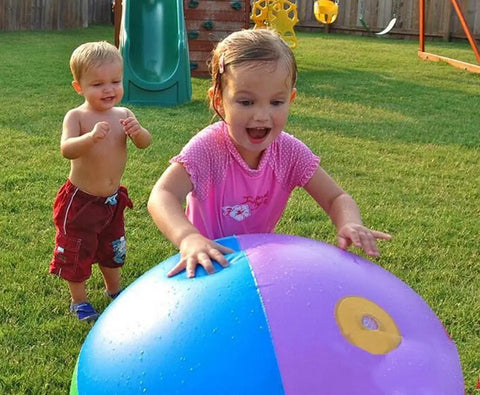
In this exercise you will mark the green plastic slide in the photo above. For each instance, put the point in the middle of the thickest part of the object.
(154, 46)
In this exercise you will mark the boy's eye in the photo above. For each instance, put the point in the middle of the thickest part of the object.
(245, 102)
(277, 102)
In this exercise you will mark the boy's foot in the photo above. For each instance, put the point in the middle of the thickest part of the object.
(114, 295)
(84, 311)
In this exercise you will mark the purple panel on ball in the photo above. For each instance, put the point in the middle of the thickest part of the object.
(300, 282)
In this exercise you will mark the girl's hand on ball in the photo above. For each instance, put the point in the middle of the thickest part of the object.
(196, 249)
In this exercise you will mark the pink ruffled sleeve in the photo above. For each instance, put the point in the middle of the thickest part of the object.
(204, 159)
(294, 162)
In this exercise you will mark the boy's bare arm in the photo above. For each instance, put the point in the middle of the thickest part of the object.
(140, 136)
(73, 144)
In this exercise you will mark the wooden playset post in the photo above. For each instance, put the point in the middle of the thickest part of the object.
(117, 18)
(466, 29)
(454, 62)
(421, 24)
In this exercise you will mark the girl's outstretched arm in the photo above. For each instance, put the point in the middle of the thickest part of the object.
(344, 213)
(166, 210)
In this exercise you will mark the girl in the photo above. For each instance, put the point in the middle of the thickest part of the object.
(237, 174)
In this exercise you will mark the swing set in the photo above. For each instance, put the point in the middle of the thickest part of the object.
(390, 24)
(281, 14)
(421, 52)
(436, 58)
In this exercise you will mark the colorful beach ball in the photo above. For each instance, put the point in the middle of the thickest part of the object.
(288, 316)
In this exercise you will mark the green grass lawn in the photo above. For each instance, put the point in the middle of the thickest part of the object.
(400, 134)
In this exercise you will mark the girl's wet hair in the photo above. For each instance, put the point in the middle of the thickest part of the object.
(92, 54)
(249, 46)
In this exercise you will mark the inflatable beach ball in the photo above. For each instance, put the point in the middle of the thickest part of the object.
(288, 316)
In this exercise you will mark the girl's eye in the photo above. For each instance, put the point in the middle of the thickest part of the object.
(277, 102)
(245, 102)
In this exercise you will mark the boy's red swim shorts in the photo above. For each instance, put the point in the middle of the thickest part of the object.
(89, 229)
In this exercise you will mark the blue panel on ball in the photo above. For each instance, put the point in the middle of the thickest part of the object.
(176, 335)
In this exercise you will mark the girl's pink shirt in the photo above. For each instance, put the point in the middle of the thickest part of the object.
(229, 198)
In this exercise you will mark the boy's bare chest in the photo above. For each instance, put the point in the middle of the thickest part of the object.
(114, 133)
(110, 151)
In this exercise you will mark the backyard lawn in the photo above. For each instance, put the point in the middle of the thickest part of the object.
(399, 134)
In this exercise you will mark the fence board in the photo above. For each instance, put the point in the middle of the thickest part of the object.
(476, 21)
(53, 14)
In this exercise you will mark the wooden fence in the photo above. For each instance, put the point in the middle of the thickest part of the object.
(53, 14)
(441, 19)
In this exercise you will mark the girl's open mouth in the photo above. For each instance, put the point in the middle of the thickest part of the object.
(258, 133)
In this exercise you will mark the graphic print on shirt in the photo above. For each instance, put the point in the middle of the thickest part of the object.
(241, 211)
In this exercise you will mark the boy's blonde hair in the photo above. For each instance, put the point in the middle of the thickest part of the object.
(257, 46)
(92, 54)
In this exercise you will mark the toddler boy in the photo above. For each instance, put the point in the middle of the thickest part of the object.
(89, 208)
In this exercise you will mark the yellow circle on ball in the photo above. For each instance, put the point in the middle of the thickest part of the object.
(366, 325)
